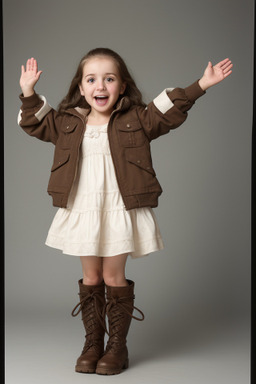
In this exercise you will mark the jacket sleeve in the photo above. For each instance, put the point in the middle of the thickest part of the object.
(38, 119)
(168, 110)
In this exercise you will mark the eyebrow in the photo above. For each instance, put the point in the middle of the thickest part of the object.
(93, 74)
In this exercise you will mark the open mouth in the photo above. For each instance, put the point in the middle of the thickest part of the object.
(101, 100)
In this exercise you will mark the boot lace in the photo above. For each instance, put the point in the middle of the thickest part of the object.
(116, 309)
(89, 305)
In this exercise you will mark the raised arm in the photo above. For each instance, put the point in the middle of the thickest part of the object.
(215, 74)
(36, 116)
(29, 77)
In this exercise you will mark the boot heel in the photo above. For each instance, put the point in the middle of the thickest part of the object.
(126, 364)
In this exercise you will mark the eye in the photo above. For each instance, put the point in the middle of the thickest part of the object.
(109, 79)
(90, 80)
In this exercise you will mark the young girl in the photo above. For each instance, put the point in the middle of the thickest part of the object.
(104, 183)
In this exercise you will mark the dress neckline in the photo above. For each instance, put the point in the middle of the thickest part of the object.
(97, 125)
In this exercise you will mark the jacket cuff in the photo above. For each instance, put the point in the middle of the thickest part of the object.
(162, 102)
(37, 102)
(30, 101)
(194, 91)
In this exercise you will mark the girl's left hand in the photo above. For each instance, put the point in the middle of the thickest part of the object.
(215, 74)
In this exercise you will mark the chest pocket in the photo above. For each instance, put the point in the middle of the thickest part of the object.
(131, 135)
(67, 135)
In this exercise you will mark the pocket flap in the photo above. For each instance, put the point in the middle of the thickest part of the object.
(137, 159)
(68, 128)
(59, 161)
(130, 127)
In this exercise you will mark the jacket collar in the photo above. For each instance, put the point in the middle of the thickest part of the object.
(122, 105)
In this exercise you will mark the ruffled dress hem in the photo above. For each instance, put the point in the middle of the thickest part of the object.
(143, 248)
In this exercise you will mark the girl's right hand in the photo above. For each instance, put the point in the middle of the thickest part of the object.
(29, 77)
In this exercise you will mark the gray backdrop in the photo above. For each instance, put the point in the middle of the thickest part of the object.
(203, 274)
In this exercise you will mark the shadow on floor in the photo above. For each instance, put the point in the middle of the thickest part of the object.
(170, 339)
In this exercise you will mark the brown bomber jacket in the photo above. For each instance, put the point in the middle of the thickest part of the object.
(130, 130)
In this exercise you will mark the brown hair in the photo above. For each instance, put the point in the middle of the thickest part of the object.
(74, 97)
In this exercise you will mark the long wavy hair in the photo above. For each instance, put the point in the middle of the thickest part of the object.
(74, 97)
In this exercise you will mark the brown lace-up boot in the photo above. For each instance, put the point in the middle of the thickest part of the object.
(92, 301)
(119, 309)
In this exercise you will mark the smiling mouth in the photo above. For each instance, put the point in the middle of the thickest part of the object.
(101, 100)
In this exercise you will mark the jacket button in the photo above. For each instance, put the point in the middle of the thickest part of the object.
(128, 126)
(138, 161)
(67, 127)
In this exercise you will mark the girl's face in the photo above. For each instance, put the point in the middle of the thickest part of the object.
(101, 85)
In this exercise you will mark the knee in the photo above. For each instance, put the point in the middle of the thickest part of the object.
(92, 277)
(114, 280)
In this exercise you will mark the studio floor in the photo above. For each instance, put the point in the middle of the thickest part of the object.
(42, 348)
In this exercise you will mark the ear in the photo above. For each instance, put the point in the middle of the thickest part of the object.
(81, 90)
(122, 89)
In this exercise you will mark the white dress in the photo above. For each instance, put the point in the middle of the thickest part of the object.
(95, 222)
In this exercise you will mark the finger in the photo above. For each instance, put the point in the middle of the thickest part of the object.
(227, 73)
(28, 64)
(32, 64)
(209, 66)
(22, 70)
(38, 74)
(222, 63)
(36, 66)
(227, 66)
(225, 62)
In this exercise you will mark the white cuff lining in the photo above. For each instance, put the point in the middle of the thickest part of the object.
(44, 110)
(41, 113)
(163, 102)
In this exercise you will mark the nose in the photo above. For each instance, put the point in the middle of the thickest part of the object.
(100, 84)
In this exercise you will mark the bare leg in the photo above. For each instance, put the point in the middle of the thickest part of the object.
(114, 270)
(92, 270)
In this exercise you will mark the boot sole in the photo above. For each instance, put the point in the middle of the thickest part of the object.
(105, 371)
(81, 369)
